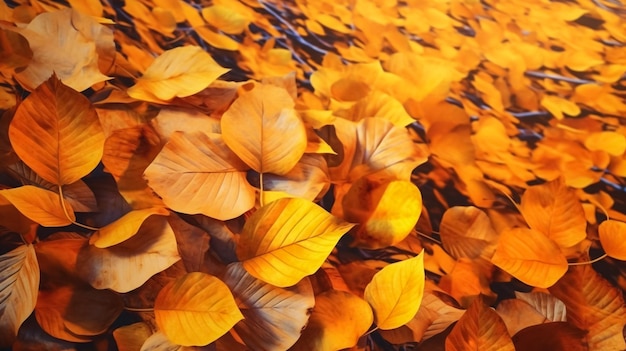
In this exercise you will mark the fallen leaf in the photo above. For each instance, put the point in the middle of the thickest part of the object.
(40, 205)
(131, 337)
(123, 228)
(549, 337)
(466, 232)
(612, 234)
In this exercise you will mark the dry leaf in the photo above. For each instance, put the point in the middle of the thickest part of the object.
(40, 205)
(612, 236)
(123, 228)
(466, 232)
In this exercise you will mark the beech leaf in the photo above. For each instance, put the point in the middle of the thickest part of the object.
(179, 72)
(195, 309)
(530, 256)
(19, 284)
(56, 132)
(40, 205)
(395, 292)
(288, 239)
(278, 314)
(254, 127)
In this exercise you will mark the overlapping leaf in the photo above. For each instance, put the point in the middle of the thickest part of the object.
(466, 232)
(613, 238)
(40, 205)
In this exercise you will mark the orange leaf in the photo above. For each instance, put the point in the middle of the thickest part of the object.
(41, 206)
(466, 232)
(613, 238)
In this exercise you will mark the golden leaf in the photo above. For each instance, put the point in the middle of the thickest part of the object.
(167, 77)
(56, 132)
(131, 337)
(554, 210)
(466, 232)
(19, 284)
(195, 309)
(331, 328)
(530, 256)
(124, 228)
(288, 239)
(613, 238)
(197, 173)
(558, 106)
(395, 292)
(480, 328)
(225, 19)
(386, 212)
(611, 142)
(279, 314)
(254, 127)
(40, 205)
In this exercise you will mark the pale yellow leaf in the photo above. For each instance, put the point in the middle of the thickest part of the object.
(195, 309)
(554, 210)
(178, 72)
(480, 328)
(279, 314)
(124, 228)
(530, 256)
(613, 238)
(256, 124)
(288, 239)
(56, 132)
(19, 285)
(197, 173)
(395, 293)
(40, 205)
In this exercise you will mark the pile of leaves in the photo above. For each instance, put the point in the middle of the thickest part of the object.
(312, 175)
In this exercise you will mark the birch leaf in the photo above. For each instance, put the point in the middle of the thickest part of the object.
(196, 309)
(285, 241)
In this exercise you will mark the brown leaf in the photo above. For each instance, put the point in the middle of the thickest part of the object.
(550, 337)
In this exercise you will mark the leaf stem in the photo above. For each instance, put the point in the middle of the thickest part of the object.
(588, 262)
(67, 215)
(424, 235)
(261, 188)
(136, 309)
(371, 331)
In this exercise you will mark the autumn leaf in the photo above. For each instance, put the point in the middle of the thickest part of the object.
(288, 239)
(480, 328)
(279, 313)
(56, 132)
(550, 336)
(131, 337)
(395, 293)
(331, 328)
(553, 209)
(197, 173)
(167, 77)
(530, 256)
(40, 205)
(14, 50)
(123, 228)
(19, 284)
(195, 309)
(466, 232)
(612, 234)
(69, 44)
(254, 126)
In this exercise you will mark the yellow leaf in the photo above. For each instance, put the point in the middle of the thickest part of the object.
(195, 309)
(480, 328)
(466, 232)
(56, 132)
(288, 239)
(557, 106)
(19, 284)
(279, 314)
(131, 337)
(611, 142)
(395, 292)
(40, 205)
(594, 305)
(124, 228)
(225, 19)
(386, 212)
(582, 60)
(178, 72)
(379, 104)
(129, 264)
(613, 238)
(255, 125)
(197, 173)
(530, 256)
(554, 210)
(338, 320)
(69, 44)
(217, 40)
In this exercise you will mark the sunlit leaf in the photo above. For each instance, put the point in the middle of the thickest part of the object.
(613, 238)
(611, 142)
(480, 328)
(197, 173)
(530, 256)
(126, 266)
(40, 205)
(254, 127)
(466, 232)
(225, 19)
(554, 210)
(19, 284)
(276, 314)
(178, 72)
(331, 328)
(123, 228)
(56, 132)
(386, 212)
(195, 309)
(395, 293)
(593, 305)
(288, 239)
